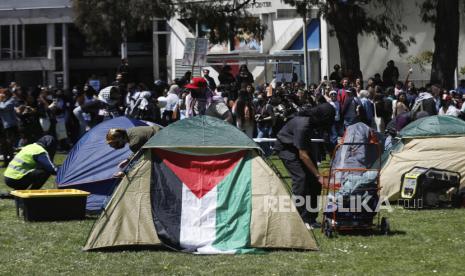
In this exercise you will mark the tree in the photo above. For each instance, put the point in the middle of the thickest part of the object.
(421, 60)
(104, 21)
(444, 14)
(351, 18)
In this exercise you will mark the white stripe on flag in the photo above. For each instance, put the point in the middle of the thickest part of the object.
(198, 219)
(207, 250)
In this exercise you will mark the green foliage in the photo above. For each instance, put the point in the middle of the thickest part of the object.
(421, 60)
(357, 15)
(462, 71)
(104, 21)
(428, 10)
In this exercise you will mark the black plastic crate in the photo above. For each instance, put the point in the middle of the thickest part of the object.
(51, 205)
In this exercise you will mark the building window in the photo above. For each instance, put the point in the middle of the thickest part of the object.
(5, 49)
(287, 14)
(12, 42)
(140, 43)
(36, 40)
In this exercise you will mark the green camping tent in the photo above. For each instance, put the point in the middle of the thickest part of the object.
(435, 141)
(202, 187)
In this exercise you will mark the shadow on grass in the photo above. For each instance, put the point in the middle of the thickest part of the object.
(369, 233)
(132, 248)
(168, 249)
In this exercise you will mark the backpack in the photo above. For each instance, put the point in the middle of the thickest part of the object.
(196, 93)
(428, 105)
(417, 107)
(144, 109)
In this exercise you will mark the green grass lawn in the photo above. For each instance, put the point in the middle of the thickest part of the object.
(424, 242)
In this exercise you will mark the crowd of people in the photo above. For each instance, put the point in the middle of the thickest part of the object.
(291, 112)
(384, 103)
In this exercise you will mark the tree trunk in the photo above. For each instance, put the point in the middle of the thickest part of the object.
(347, 36)
(446, 43)
(349, 52)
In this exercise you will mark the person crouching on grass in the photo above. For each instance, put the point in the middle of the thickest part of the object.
(32, 166)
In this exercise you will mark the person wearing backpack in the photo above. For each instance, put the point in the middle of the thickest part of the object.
(424, 102)
(198, 98)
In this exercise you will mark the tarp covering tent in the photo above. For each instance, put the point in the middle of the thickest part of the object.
(435, 141)
(91, 163)
(201, 187)
(361, 150)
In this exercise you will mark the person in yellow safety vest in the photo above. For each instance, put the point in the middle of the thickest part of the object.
(32, 166)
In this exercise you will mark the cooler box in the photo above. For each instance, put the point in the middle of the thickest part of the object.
(49, 205)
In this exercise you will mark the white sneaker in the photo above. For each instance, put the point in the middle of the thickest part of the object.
(309, 227)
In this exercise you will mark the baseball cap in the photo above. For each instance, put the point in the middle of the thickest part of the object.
(196, 83)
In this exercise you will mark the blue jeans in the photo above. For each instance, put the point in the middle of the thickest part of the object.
(337, 130)
(80, 116)
(265, 132)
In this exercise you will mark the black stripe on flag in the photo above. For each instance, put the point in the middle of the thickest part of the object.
(166, 200)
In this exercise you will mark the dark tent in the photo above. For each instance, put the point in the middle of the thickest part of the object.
(91, 163)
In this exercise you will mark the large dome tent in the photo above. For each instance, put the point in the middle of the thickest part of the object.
(202, 187)
(434, 141)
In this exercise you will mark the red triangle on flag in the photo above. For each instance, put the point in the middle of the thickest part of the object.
(200, 173)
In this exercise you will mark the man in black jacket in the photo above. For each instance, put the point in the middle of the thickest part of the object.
(210, 81)
(294, 149)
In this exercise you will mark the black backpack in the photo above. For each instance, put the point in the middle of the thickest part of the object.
(148, 113)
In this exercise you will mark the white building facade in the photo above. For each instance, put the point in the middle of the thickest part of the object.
(39, 44)
(283, 43)
(373, 58)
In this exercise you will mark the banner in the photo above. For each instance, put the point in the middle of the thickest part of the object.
(195, 51)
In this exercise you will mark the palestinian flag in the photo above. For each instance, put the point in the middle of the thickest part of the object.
(201, 186)
(202, 203)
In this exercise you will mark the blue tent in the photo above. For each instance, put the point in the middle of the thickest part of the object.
(91, 163)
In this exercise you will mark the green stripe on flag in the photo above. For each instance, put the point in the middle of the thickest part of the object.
(234, 208)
